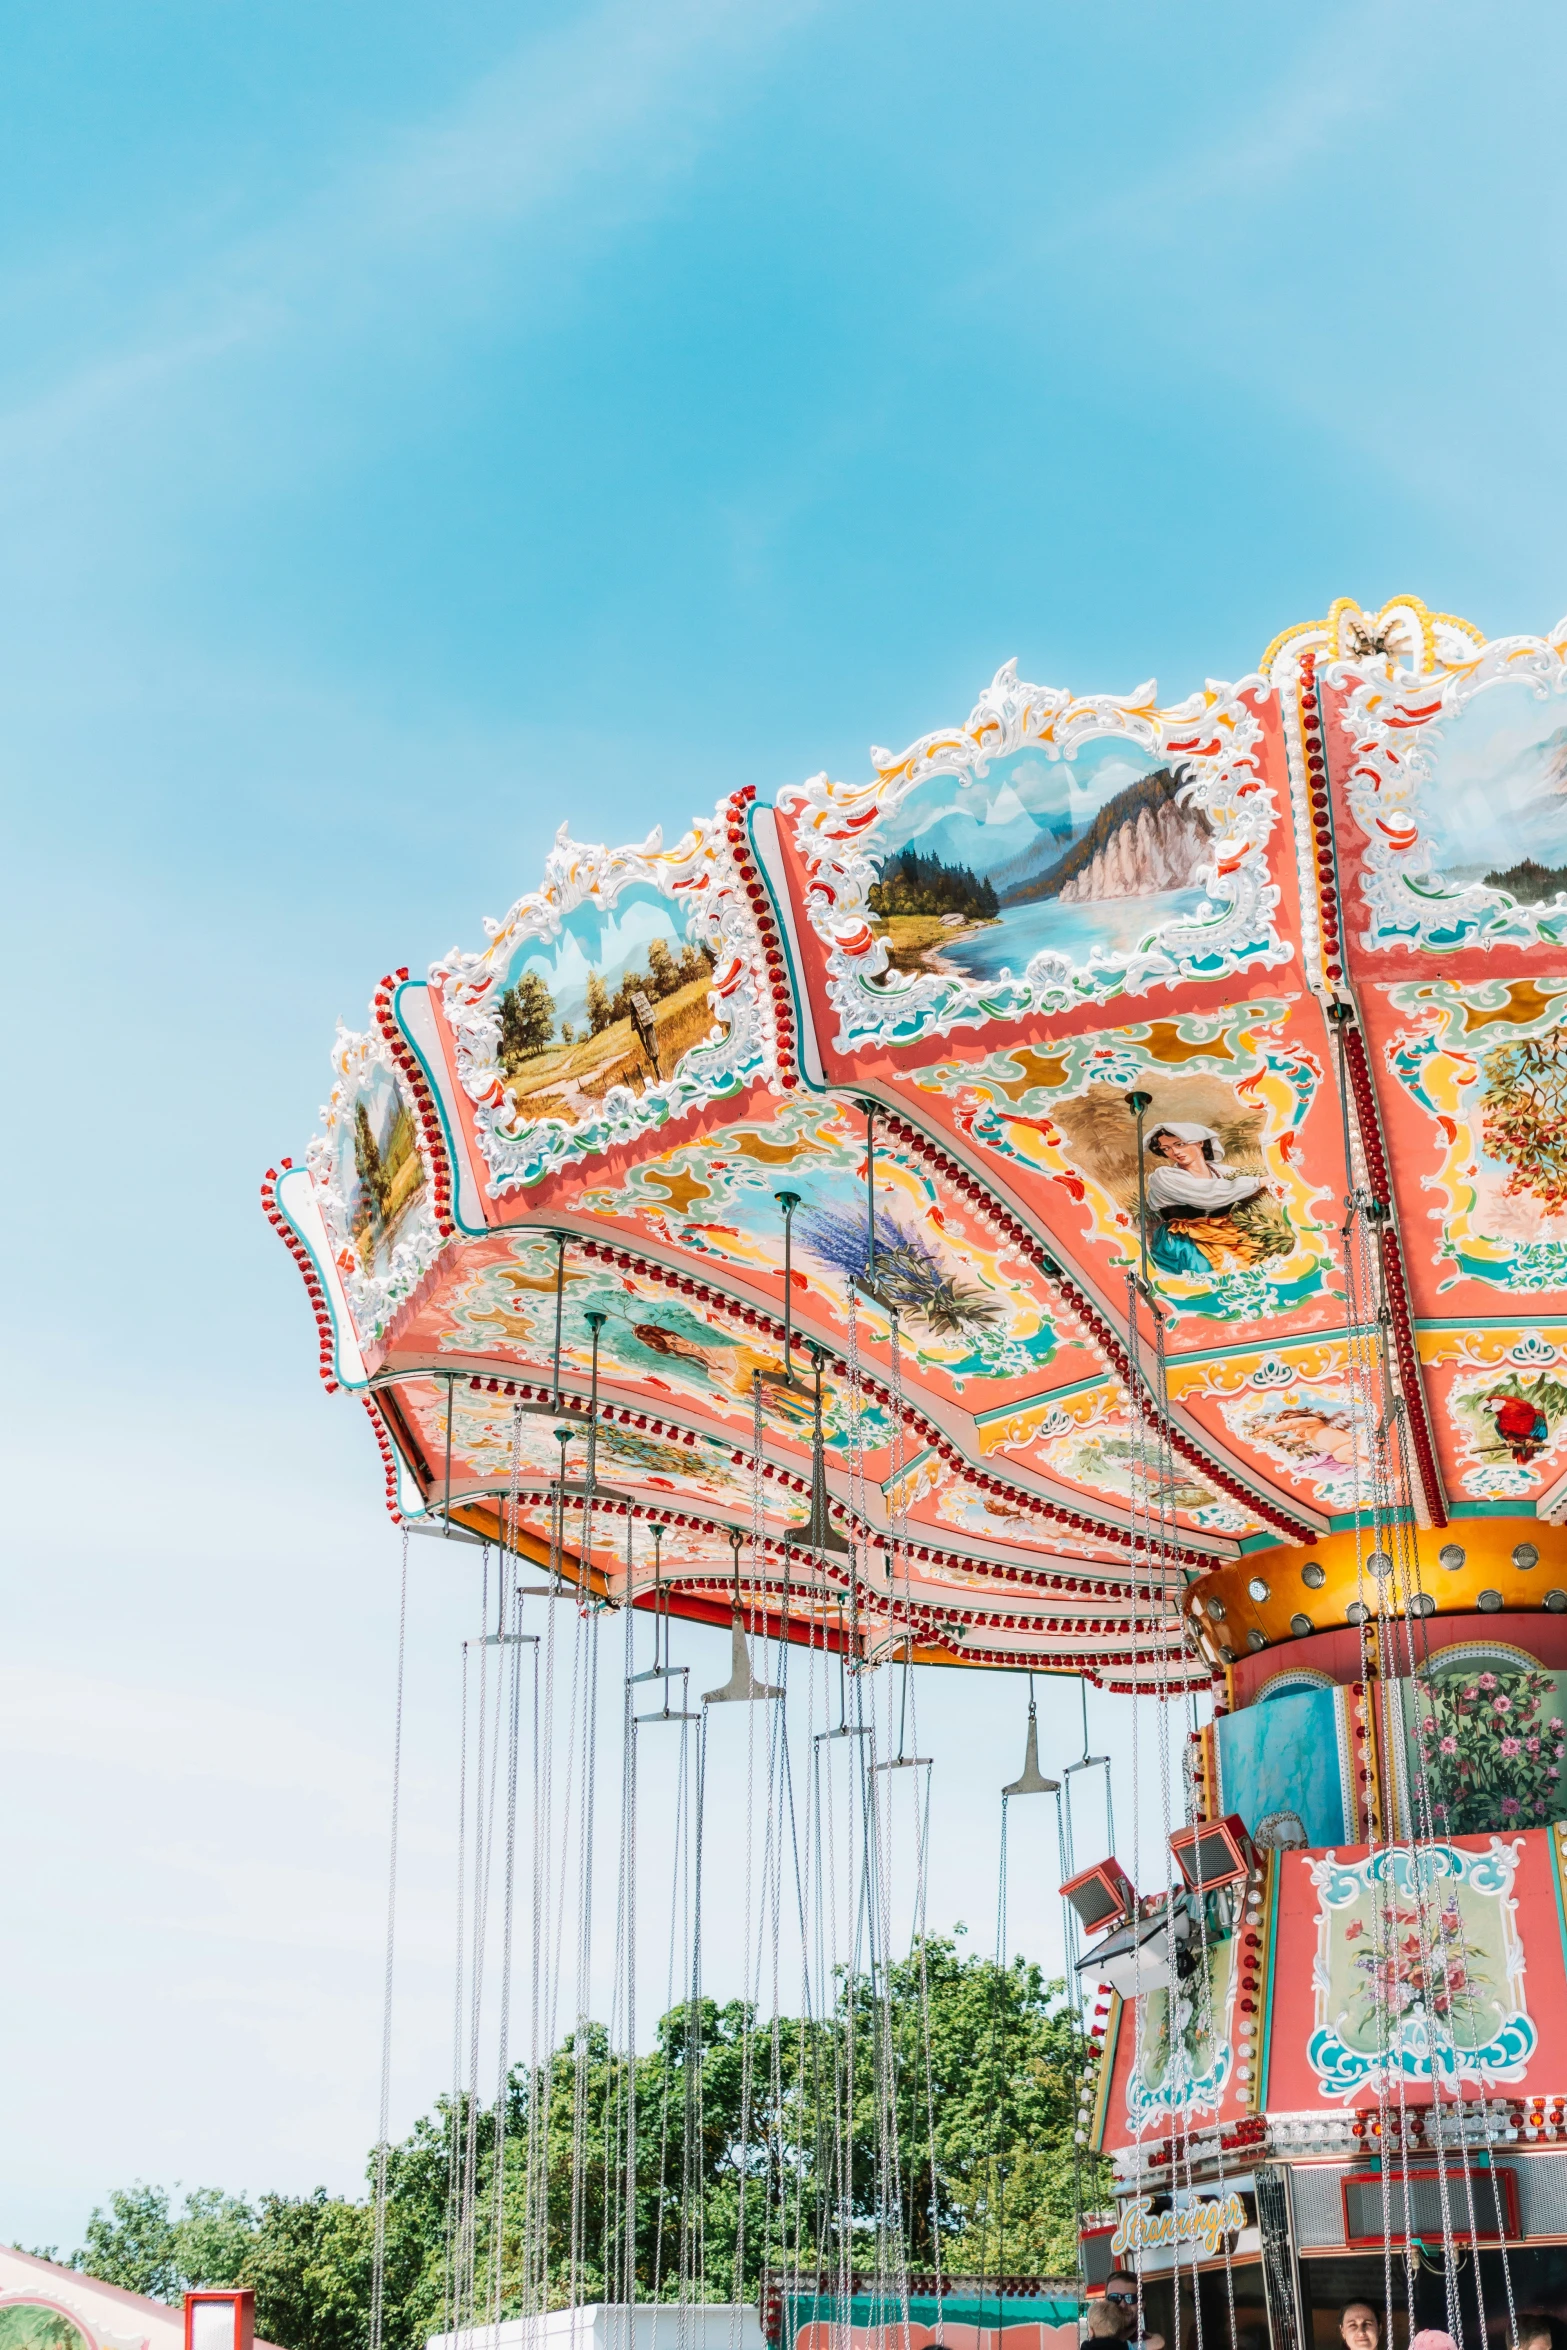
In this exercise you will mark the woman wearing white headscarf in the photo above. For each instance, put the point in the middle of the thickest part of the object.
(1203, 1220)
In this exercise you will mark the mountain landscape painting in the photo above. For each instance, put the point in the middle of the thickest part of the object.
(981, 873)
(1493, 809)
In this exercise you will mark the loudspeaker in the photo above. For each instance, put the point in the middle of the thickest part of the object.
(1102, 1896)
(1214, 1853)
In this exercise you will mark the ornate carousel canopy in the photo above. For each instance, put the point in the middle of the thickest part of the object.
(1054, 1199)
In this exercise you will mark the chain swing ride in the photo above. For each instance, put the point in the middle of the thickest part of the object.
(1089, 1199)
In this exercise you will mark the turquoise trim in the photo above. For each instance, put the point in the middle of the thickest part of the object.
(1265, 2038)
(1492, 1509)
(1556, 1880)
(453, 1160)
(1517, 1321)
(1005, 1411)
(887, 2309)
(327, 1277)
(799, 1001)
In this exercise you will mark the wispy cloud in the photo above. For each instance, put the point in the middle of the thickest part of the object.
(575, 136)
(166, 1732)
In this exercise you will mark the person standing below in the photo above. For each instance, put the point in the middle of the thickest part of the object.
(1114, 2317)
(1359, 2327)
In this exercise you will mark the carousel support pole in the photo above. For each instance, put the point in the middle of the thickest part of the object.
(1139, 1104)
(869, 1284)
(788, 1201)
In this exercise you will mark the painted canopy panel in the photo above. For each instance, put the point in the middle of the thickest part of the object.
(1240, 1162)
(1050, 1054)
(1449, 807)
(1050, 853)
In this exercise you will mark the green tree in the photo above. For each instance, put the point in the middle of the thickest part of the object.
(309, 2265)
(756, 2141)
(213, 2236)
(527, 1020)
(133, 2243)
(663, 972)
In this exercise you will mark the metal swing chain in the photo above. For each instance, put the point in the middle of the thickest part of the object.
(455, 2117)
(378, 2267)
(1372, 1381)
(509, 1608)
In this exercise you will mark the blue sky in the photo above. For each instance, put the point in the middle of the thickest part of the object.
(415, 426)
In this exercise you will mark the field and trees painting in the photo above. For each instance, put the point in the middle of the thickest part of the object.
(388, 1172)
(1068, 856)
(618, 999)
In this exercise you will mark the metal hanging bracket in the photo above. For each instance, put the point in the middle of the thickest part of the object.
(742, 1686)
(670, 1713)
(1031, 1779)
(441, 1530)
(656, 1671)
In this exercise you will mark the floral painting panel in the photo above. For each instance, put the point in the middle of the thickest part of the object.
(1490, 1744)
(1419, 1968)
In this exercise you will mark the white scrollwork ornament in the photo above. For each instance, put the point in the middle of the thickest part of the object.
(1213, 738)
(376, 1278)
(1398, 725)
(701, 876)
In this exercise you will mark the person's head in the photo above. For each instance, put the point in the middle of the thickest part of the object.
(1536, 2330)
(1103, 2321)
(1432, 2338)
(1189, 1147)
(1121, 2297)
(1360, 2327)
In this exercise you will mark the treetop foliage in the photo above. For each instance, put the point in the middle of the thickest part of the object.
(758, 2148)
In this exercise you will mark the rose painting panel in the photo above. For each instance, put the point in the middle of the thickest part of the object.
(1489, 1737)
(616, 999)
(1419, 1968)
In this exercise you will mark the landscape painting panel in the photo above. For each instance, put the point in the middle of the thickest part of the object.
(618, 998)
(1493, 807)
(1065, 857)
(379, 1172)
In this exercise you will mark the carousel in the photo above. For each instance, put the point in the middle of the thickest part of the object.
(1086, 1197)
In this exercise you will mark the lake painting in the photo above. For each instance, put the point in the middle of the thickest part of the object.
(1066, 857)
(1494, 810)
